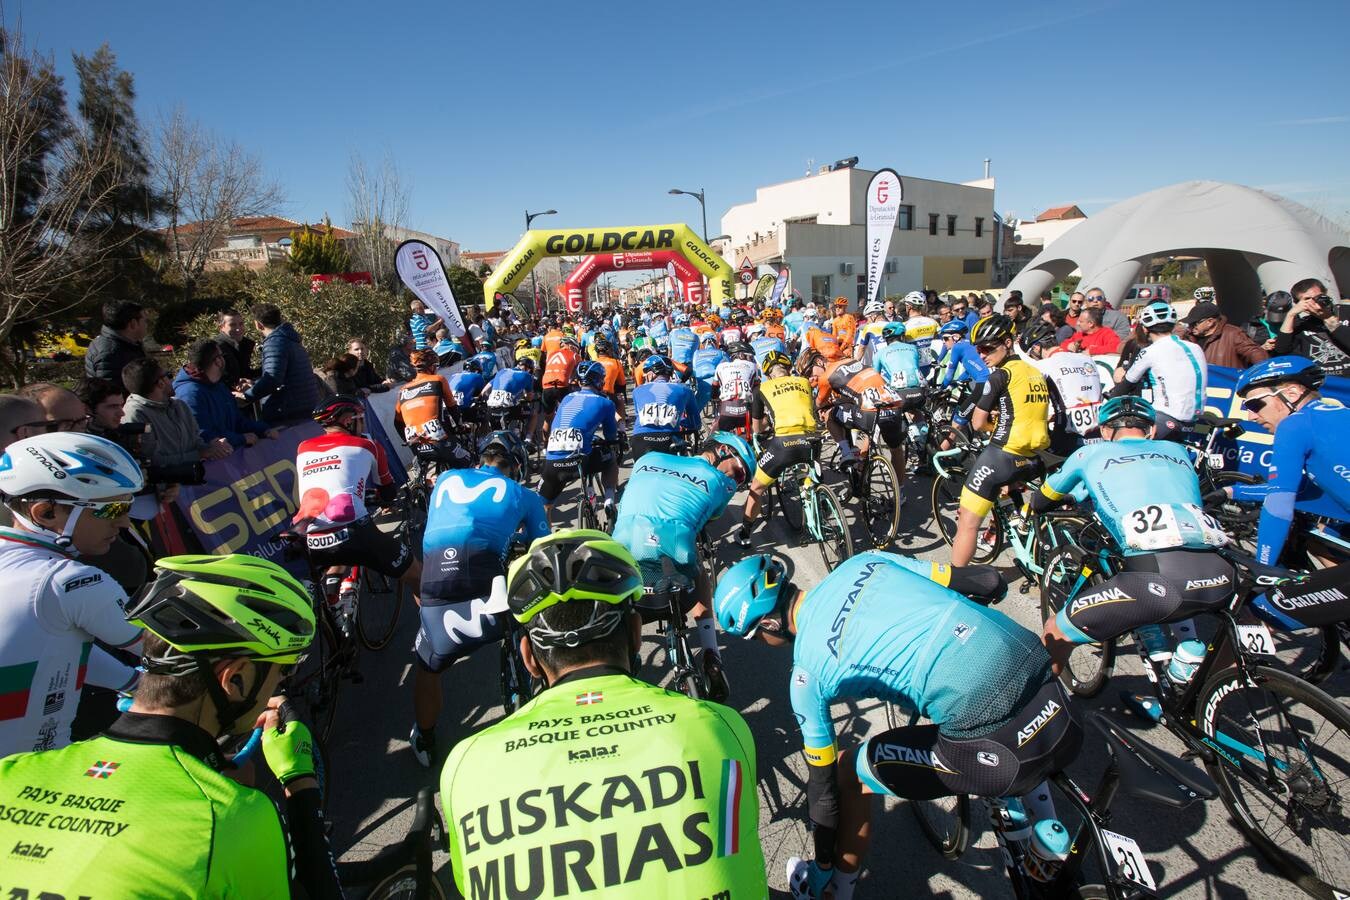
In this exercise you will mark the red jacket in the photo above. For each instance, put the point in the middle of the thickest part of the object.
(1103, 340)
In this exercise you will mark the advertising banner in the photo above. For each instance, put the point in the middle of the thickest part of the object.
(884, 193)
(419, 265)
(318, 281)
(779, 284)
(764, 286)
(1250, 452)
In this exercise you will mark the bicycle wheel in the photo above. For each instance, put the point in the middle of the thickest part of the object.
(880, 500)
(1296, 814)
(945, 821)
(313, 687)
(1089, 666)
(946, 502)
(788, 492)
(402, 885)
(586, 514)
(377, 608)
(836, 545)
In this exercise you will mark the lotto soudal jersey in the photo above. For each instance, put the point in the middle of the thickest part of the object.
(664, 406)
(1079, 383)
(508, 387)
(639, 792)
(580, 414)
(666, 502)
(880, 627)
(55, 607)
(471, 516)
(333, 472)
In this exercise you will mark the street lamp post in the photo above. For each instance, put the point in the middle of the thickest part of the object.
(702, 203)
(534, 280)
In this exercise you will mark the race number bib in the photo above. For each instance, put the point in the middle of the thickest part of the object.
(430, 430)
(1083, 419)
(658, 415)
(499, 398)
(1162, 526)
(565, 440)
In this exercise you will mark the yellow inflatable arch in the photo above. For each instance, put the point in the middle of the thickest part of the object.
(535, 245)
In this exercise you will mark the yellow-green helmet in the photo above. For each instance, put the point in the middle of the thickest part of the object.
(225, 607)
(577, 564)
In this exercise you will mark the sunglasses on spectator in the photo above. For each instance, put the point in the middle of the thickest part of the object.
(107, 510)
(1256, 404)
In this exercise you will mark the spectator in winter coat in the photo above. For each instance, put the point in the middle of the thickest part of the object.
(236, 347)
(1224, 344)
(201, 385)
(125, 325)
(400, 368)
(367, 380)
(174, 438)
(1113, 319)
(286, 390)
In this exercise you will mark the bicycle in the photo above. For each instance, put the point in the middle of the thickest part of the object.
(668, 607)
(817, 510)
(404, 869)
(1220, 714)
(873, 482)
(591, 512)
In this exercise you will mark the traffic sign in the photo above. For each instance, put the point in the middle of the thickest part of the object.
(747, 271)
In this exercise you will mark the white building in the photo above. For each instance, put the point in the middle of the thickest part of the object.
(446, 249)
(944, 238)
(1050, 225)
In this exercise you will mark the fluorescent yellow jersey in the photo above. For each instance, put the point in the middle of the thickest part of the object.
(788, 403)
(1017, 395)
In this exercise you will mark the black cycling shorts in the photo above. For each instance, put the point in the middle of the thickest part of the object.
(782, 452)
(550, 396)
(361, 543)
(994, 468)
(654, 442)
(920, 763)
(557, 474)
(1167, 428)
(453, 454)
(889, 423)
(448, 631)
(1153, 589)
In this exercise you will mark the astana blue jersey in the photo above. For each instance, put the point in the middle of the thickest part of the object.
(879, 627)
(664, 406)
(580, 414)
(666, 502)
(471, 516)
(683, 343)
(794, 323)
(898, 363)
(466, 386)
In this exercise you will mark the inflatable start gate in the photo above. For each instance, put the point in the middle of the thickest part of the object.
(573, 290)
(644, 242)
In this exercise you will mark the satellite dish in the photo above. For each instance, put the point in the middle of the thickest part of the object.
(285, 242)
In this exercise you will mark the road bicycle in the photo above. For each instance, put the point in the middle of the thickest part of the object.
(873, 483)
(667, 605)
(812, 509)
(405, 869)
(591, 497)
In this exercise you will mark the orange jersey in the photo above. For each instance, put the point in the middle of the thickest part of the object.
(551, 341)
(775, 331)
(845, 328)
(823, 343)
(560, 367)
(422, 403)
(614, 380)
(854, 382)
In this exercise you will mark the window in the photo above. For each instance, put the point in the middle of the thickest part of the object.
(972, 266)
(905, 222)
(979, 226)
(951, 226)
(932, 223)
(861, 293)
(820, 288)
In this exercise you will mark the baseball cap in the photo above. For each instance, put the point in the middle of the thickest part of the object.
(1201, 311)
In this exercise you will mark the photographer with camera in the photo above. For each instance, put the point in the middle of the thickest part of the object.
(172, 450)
(1314, 331)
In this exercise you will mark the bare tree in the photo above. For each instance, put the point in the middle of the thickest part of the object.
(57, 182)
(377, 206)
(207, 182)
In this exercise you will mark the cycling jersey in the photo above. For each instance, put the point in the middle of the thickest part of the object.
(642, 792)
(823, 343)
(422, 406)
(844, 327)
(793, 324)
(788, 404)
(333, 472)
(964, 356)
(667, 501)
(1019, 398)
(922, 332)
(508, 387)
(560, 367)
(578, 417)
(763, 346)
(774, 330)
(664, 406)
(534, 354)
(466, 386)
(706, 361)
(487, 361)
(683, 343)
(472, 515)
(1145, 492)
(855, 383)
(141, 811)
(56, 607)
(1177, 373)
(898, 363)
(1079, 384)
(735, 379)
(614, 383)
(658, 328)
(731, 336)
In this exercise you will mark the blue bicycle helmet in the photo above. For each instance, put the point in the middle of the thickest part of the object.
(657, 366)
(1281, 370)
(508, 443)
(731, 443)
(955, 326)
(1126, 407)
(893, 331)
(591, 374)
(746, 593)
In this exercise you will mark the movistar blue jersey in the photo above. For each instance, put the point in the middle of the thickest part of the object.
(471, 516)
(706, 361)
(898, 363)
(879, 626)
(966, 357)
(664, 406)
(794, 323)
(466, 386)
(508, 386)
(683, 343)
(1145, 492)
(764, 345)
(580, 414)
(488, 360)
(666, 502)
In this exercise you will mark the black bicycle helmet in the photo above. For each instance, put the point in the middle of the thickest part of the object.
(991, 329)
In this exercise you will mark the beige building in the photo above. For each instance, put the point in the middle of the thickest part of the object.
(1050, 225)
(253, 242)
(944, 238)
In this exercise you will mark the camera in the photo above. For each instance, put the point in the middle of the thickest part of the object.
(1323, 301)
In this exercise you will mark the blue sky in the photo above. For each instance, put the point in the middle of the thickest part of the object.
(597, 110)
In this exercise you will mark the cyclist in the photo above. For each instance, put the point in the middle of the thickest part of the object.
(859, 399)
(1017, 401)
(820, 340)
(69, 495)
(685, 769)
(1174, 369)
(486, 360)
(765, 344)
(559, 376)
(704, 368)
(580, 414)
(1307, 463)
(512, 391)
(526, 350)
(615, 386)
(961, 356)
(667, 501)
(733, 333)
(888, 627)
(467, 385)
(735, 380)
(423, 412)
(156, 816)
(772, 317)
(683, 343)
(1077, 380)
(333, 473)
(472, 518)
(782, 402)
(844, 325)
(868, 334)
(662, 409)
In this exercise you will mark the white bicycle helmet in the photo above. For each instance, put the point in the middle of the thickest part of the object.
(71, 465)
(916, 298)
(874, 308)
(1157, 313)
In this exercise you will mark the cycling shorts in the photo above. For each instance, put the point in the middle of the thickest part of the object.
(655, 442)
(889, 422)
(994, 468)
(920, 763)
(1167, 428)
(1153, 589)
(453, 453)
(782, 452)
(737, 422)
(361, 543)
(549, 397)
(654, 578)
(557, 474)
(449, 631)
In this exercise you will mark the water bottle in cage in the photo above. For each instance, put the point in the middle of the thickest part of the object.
(1047, 850)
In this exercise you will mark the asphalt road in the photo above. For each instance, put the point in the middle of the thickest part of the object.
(1192, 853)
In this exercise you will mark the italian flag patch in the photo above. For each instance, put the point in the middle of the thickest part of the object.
(729, 834)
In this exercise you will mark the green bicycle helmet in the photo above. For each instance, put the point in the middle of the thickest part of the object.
(576, 564)
(224, 607)
(1117, 409)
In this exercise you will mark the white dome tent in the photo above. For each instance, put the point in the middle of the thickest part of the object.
(1250, 240)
